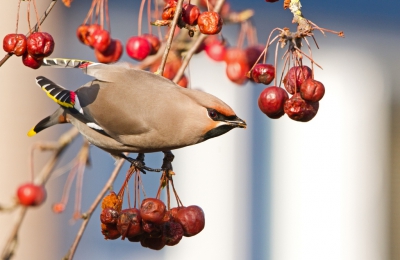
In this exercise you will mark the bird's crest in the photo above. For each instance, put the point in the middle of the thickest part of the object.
(62, 96)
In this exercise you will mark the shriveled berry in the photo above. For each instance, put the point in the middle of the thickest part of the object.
(155, 243)
(152, 210)
(30, 194)
(263, 73)
(155, 43)
(300, 110)
(40, 44)
(112, 201)
(169, 10)
(210, 22)
(109, 216)
(15, 44)
(135, 238)
(295, 77)
(192, 220)
(129, 223)
(111, 54)
(272, 100)
(110, 231)
(154, 230)
(312, 90)
(172, 233)
(190, 14)
(138, 48)
(31, 61)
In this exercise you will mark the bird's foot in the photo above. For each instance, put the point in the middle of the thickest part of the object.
(167, 163)
(139, 163)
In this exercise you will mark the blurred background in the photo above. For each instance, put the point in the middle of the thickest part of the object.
(279, 190)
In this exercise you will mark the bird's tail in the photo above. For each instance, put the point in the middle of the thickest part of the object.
(58, 117)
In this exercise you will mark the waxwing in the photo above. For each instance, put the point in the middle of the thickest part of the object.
(129, 110)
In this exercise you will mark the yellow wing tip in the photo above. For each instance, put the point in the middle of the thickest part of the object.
(31, 133)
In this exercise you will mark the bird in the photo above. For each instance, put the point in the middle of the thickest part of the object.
(124, 109)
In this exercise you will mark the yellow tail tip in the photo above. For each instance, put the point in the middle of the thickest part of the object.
(31, 132)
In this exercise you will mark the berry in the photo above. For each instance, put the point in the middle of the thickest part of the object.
(236, 71)
(155, 43)
(152, 210)
(312, 90)
(31, 195)
(190, 14)
(82, 33)
(172, 233)
(129, 223)
(111, 54)
(215, 49)
(109, 216)
(263, 73)
(235, 54)
(253, 53)
(183, 82)
(90, 32)
(155, 243)
(192, 220)
(112, 201)
(169, 10)
(272, 100)
(138, 48)
(15, 44)
(110, 231)
(31, 61)
(295, 77)
(40, 44)
(101, 40)
(300, 110)
(209, 23)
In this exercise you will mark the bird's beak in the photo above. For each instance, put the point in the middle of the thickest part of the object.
(237, 123)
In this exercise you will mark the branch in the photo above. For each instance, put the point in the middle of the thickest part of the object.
(44, 175)
(35, 28)
(178, 11)
(86, 216)
(194, 47)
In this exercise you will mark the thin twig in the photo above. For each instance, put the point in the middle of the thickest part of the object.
(63, 142)
(89, 213)
(35, 28)
(177, 15)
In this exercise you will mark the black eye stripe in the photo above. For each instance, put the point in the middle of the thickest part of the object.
(216, 116)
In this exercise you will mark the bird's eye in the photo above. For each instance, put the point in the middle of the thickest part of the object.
(212, 113)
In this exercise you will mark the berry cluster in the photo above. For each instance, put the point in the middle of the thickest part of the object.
(275, 102)
(154, 224)
(95, 36)
(32, 49)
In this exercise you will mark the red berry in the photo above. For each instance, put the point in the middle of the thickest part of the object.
(138, 48)
(192, 220)
(40, 44)
(101, 40)
(155, 43)
(111, 54)
(236, 71)
(15, 43)
(31, 195)
(89, 34)
(129, 223)
(253, 53)
(171, 67)
(263, 73)
(82, 33)
(109, 216)
(295, 77)
(169, 10)
(209, 23)
(183, 82)
(190, 14)
(215, 50)
(152, 210)
(300, 110)
(172, 233)
(110, 231)
(31, 61)
(272, 100)
(155, 243)
(312, 90)
(235, 54)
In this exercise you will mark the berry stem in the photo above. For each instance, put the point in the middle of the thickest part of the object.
(19, 7)
(140, 17)
(29, 20)
(36, 13)
(276, 62)
(149, 26)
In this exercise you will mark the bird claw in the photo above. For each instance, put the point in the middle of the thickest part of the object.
(167, 163)
(139, 163)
